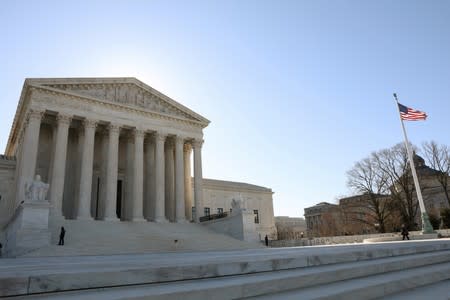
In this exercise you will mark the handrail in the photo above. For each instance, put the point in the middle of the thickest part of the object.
(213, 217)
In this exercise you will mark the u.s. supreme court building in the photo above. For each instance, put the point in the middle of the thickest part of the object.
(116, 149)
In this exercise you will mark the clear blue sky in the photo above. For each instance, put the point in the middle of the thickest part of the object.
(297, 91)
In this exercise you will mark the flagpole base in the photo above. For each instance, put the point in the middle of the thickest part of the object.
(426, 225)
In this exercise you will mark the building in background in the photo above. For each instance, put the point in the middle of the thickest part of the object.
(357, 215)
(290, 228)
(323, 219)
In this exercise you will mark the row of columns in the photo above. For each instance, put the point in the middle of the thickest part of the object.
(28, 156)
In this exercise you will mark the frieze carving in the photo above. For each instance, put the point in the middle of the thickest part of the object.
(124, 93)
(47, 97)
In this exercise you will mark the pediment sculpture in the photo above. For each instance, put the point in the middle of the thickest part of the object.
(129, 94)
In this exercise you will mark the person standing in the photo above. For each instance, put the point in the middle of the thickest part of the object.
(266, 239)
(61, 236)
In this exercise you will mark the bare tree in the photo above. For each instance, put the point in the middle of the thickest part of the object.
(438, 158)
(393, 163)
(368, 178)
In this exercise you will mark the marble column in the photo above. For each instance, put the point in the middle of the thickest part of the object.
(149, 180)
(111, 173)
(138, 178)
(187, 181)
(59, 164)
(126, 209)
(198, 179)
(29, 151)
(170, 180)
(100, 205)
(179, 180)
(87, 160)
(159, 182)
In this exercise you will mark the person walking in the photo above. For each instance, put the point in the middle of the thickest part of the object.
(266, 239)
(405, 233)
(61, 236)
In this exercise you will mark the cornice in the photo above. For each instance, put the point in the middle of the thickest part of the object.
(234, 186)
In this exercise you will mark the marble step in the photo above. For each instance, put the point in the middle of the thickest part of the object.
(375, 287)
(105, 238)
(298, 280)
(47, 274)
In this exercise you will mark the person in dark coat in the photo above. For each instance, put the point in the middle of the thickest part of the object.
(405, 233)
(267, 240)
(61, 236)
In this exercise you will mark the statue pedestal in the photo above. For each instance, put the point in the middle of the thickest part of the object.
(29, 228)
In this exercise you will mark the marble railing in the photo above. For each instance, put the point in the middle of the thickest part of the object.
(348, 239)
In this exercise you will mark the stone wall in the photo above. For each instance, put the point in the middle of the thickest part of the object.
(240, 226)
(219, 194)
(7, 190)
(349, 239)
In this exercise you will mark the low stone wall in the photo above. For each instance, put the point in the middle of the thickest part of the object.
(28, 229)
(240, 226)
(347, 239)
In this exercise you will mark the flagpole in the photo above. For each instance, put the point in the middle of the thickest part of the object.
(426, 225)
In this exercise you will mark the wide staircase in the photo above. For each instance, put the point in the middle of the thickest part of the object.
(358, 271)
(116, 237)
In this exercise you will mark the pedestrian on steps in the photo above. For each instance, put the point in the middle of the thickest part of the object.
(61, 236)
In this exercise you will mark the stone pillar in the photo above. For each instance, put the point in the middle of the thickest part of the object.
(87, 160)
(198, 179)
(29, 151)
(138, 178)
(170, 180)
(187, 181)
(179, 180)
(99, 209)
(126, 211)
(159, 182)
(149, 180)
(111, 173)
(59, 164)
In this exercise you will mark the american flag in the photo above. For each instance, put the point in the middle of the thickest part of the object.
(410, 114)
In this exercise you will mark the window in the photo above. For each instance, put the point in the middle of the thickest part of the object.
(220, 210)
(206, 211)
(256, 216)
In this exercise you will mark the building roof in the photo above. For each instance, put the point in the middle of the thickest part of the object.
(221, 184)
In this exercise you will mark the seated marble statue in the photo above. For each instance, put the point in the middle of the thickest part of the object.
(36, 190)
(237, 205)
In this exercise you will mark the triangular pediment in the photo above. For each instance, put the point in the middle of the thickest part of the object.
(128, 91)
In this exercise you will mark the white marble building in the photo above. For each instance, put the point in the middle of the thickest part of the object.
(111, 149)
